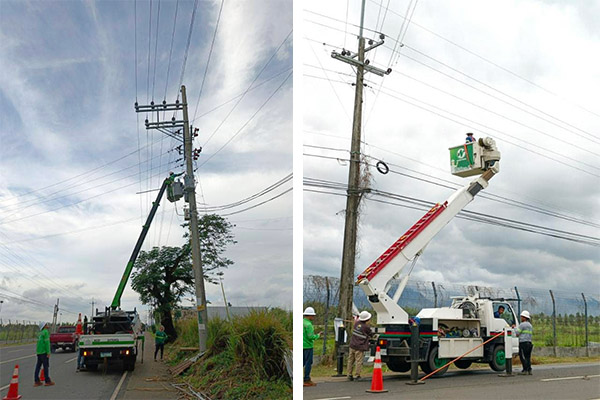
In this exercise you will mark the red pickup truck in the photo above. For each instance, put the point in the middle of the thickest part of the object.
(65, 338)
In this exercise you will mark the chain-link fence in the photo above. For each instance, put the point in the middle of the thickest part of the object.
(12, 331)
(560, 319)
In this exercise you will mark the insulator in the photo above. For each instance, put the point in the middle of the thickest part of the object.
(173, 119)
(164, 102)
(152, 103)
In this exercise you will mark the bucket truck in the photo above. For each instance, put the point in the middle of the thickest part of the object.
(448, 332)
(113, 335)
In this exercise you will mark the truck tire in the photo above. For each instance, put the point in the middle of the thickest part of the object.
(53, 349)
(398, 364)
(463, 364)
(433, 363)
(91, 367)
(498, 362)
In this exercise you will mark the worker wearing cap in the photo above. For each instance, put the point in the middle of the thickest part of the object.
(525, 331)
(470, 138)
(359, 343)
(308, 336)
(43, 356)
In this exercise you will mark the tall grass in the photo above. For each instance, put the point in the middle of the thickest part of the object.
(244, 357)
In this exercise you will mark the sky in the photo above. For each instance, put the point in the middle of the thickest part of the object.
(75, 156)
(522, 72)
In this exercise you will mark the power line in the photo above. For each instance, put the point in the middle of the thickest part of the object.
(248, 88)
(257, 205)
(477, 217)
(487, 195)
(212, 44)
(171, 50)
(248, 121)
(187, 46)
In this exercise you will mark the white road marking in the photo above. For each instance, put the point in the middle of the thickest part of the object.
(335, 398)
(569, 377)
(116, 392)
(15, 359)
(72, 359)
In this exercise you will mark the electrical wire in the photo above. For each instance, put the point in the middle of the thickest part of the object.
(212, 44)
(247, 122)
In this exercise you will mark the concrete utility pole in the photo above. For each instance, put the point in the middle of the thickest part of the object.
(92, 303)
(189, 193)
(190, 189)
(354, 189)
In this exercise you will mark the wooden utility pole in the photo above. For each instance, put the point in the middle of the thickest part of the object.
(354, 189)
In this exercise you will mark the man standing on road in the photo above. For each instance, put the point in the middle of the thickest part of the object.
(359, 343)
(308, 336)
(159, 341)
(43, 356)
(525, 331)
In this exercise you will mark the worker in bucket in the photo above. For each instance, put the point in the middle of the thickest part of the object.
(359, 343)
(469, 138)
(43, 356)
(525, 331)
(308, 339)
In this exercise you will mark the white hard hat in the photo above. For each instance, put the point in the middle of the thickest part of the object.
(42, 325)
(526, 314)
(364, 316)
(309, 311)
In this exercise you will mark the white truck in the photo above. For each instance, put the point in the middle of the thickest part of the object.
(448, 332)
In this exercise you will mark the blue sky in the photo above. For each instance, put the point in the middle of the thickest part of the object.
(70, 136)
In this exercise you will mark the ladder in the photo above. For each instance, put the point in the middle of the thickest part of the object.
(402, 242)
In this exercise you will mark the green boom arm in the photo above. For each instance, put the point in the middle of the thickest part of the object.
(116, 303)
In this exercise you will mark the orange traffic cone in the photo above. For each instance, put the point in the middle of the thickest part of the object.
(377, 380)
(78, 327)
(42, 377)
(13, 390)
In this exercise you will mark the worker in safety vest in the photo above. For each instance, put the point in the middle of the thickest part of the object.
(43, 356)
(525, 331)
(359, 343)
(308, 338)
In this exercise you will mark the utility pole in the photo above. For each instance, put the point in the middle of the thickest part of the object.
(225, 299)
(92, 303)
(354, 189)
(189, 193)
(54, 316)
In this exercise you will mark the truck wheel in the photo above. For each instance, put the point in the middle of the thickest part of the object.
(91, 367)
(398, 364)
(498, 362)
(433, 362)
(463, 364)
(52, 349)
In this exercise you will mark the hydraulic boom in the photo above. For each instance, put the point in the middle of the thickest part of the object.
(374, 280)
(116, 303)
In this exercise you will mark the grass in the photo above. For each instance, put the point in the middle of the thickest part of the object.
(244, 358)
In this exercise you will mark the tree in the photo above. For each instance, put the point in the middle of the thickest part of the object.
(163, 276)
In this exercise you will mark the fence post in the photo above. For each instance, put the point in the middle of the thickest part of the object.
(587, 343)
(518, 302)
(326, 316)
(553, 321)
(434, 295)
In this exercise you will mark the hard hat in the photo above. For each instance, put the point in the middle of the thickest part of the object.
(469, 134)
(309, 311)
(526, 314)
(364, 316)
(42, 325)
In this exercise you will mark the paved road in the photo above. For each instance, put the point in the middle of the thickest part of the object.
(557, 381)
(69, 385)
